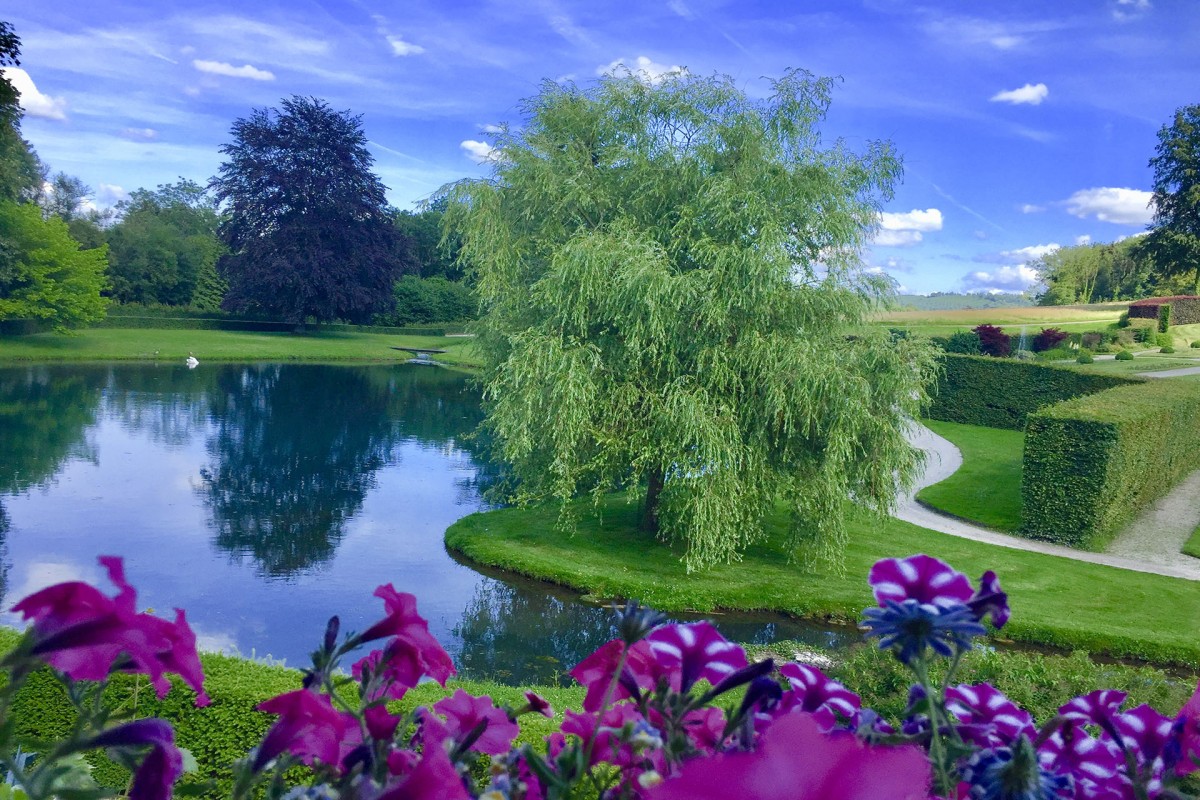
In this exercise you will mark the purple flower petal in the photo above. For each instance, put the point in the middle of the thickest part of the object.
(1144, 731)
(813, 691)
(990, 600)
(689, 652)
(922, 578)
(989, 719)
(1094, 708)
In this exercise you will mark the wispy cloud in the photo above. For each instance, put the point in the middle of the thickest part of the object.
(229, 70)
(139, 134)
(1123, 10)
(1107, 204)
(643, 67)
(479, 152)
(1030, 94)
(403, 48)
(1030, 208)
(33, 102)
(1001, 280)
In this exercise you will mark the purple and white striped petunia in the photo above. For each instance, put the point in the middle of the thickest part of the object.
(1095, 765)
(1144, 731)
(990, 600)
(688, 652)
(922, 578)
(816, 693)
(988, 718)
(1094, 708)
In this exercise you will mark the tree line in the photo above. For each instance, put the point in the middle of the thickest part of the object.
(295, 227)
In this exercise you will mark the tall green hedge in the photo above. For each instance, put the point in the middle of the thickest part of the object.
(1092, 463)
(1001, 393)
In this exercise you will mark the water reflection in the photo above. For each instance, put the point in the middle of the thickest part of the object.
(294, 453)
(44, 414)
(167, 402)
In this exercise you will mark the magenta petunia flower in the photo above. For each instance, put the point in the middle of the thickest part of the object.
(705, 728)
(82, 632)
(601, 732)
(595, 673)
(463, 713)
(309, 727)
(381, 723)
(1094, 708)
(161, 767)
(1182, 749)
(990, 600)
(1143, 731)
(816, 693)
(796, 761)
(987, 717)
(431, 778)
(685, 653)
(1094, 764)
(539, 705)
(922, 578)
(394, 670)
(410, 629)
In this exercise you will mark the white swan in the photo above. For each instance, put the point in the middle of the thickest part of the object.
(191, 362)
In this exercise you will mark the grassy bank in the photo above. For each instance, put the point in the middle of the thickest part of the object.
(1034, 318)
(987, 488)
(142, 344)
(1055, 601)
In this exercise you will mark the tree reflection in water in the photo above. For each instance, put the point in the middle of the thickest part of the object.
(294, 453)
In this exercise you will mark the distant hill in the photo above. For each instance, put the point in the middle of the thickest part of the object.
(951, 301)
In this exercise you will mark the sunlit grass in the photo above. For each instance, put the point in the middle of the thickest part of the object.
(987, 488)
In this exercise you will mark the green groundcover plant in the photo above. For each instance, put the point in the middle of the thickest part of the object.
(671, 711)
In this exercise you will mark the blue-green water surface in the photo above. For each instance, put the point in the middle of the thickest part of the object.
(263, 498)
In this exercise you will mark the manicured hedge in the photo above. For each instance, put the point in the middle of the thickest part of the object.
(1001, 393)
(1093, 463)
(220, 324)
(1183, 309)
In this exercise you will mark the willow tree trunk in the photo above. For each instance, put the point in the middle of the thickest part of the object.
(654, 487)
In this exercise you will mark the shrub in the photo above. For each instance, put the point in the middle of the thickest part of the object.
(1092, 463)
(1000, 393)
(1195, 344)
(1164, 318)
(1166, 349)
(1084, 357)
(1124, 355)
(420, 301)
(1164, 340)
(993, 341)
(1048, 339)
(1143, 335)
(963, 342)
(1060, 353)
(1123, 320)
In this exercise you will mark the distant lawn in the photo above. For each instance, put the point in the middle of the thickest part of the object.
(1192, 546)
(987, 488)
(1150, 362)
(1034, 318)
(1054, 600)
(147, 344)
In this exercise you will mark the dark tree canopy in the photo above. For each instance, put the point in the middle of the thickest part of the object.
(20, 169)
(1174, 240)
(307, 226)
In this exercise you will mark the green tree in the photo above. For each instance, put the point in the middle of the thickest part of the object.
(20, 170)
(44, 276)
(1174, 239)
(672, 300)
(432, 254)
(165, 243)
(308, 229)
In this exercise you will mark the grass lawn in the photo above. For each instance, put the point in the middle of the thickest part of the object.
(987, 488)
(1054, 600)
(1192, 546)
(943, 323)
(149, 344)
(1150, 362)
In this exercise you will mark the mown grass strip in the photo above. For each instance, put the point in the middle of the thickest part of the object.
(1192, 546)
(987, 488)
(142, 344)
(1055, 601)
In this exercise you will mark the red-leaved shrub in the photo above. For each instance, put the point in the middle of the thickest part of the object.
(1048, 339)
(993, 341)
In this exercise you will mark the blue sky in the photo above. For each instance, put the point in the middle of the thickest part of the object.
(1023, 125)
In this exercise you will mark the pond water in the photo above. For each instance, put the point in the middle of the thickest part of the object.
(263, 498)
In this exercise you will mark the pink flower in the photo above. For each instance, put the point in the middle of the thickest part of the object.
(988, 718)
(688, 652)
(393, 670)
(381, 723)
(601, 733)
(796, 761)
(705, 727)
(432, 778)
(162, 766)
(596, 671)
(464, 713)
(1183, 747)
(309, 727)
(411, 632)
(539, 705)
(812, 691)
(922, 578)
(83, 633)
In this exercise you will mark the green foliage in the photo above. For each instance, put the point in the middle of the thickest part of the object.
(1164, 318)
(44, 276)
(432, 254)
(1093, 463)
(308, 229)
(1085, 357)
(1001, 393)
(423, 300)
(1174, 239)
(963, 342)
(1167, 349)
(1093, 273)
(987, 487)
(1060, 353)
(1123, 320)
(671, 297)
(1195, 344)
(1164, 340)
(210, 288)
(1124, 355)
(1192, 546)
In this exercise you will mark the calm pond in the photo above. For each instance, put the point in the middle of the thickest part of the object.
(263, 498)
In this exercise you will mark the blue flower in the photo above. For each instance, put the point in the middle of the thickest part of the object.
(1013, 774)
(908, 627)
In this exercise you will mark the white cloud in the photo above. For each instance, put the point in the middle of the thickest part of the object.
(229, 70)
(33, 102)
(904, 229)
(403, 48)
(1023, 255)
(1107, 204)
(139, 134)
(491, 129)
(1129, 9)
(1030, 208)
(110, 194)
(680, 8)
(1083, 239)
(916, 220)
(1002, 279)
(642, 67)
(479, 152)
(1029, 94)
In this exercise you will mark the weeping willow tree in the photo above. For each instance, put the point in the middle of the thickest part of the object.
(673, 303)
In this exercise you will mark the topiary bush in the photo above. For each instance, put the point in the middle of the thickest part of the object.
(1060, 353)
(1167, 349)
(1124, 355)
(1084, 357)
(1000, 393)
(1195, 344)
(1164, 340)
(1092, 463)
(993, 341)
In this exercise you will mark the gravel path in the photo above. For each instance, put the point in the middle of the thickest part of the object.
(1150, 544)
(1171, 373)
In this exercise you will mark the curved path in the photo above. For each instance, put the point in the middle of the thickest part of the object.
(1145, 546)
